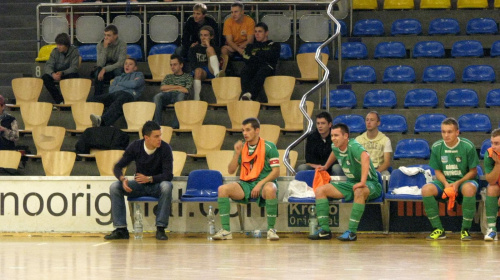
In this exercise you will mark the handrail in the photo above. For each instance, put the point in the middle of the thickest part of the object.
(302, 105)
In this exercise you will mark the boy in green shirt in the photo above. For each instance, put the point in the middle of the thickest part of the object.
(455, 161)
(362, 183)
(492, 170)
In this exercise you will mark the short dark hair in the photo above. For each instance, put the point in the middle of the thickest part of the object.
(450, 121)
(325, 115)
(343, 127)
(494, 133)
(133, 59)
(63, 39)
(208, 28)
(111, 28)
(178, 57)
(253, 121)
(263, 25)
(237, 4)
(148, 127)
(376, 114)
(200, 6)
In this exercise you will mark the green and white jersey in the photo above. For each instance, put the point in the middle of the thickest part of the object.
(350, 160)
(455, 161)
(272, 158)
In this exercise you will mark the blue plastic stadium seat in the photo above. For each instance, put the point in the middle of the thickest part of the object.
(306, 176)
(439, 73)
(478, 73)
(134, 51)
(368, 27)
(495, 49)
(360, 74)
(493, 98)
(474, 123)
(356, 123)
(341, 98)
(390, 50)
(428, 49)
(286, 51)
(399, 179)
(429, 123)
(353, 50)
(461, 97)
(162, 49)
(482, 26)
(467, 48)
(202, 186)
(421, 97)
(380, 98)
(484, 147)
(311, 48)
(412, 148)
(343, 28)
(407, 26)
(444, 26)
(399, 74)
(88, 52)
(393, 123)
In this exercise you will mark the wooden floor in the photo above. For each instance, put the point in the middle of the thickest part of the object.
(190, 256)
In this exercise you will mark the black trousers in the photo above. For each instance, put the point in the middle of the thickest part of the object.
(253, 78)
(51, 87)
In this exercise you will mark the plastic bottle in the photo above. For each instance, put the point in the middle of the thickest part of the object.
(138, 228)
(210, 223)
(313, 221)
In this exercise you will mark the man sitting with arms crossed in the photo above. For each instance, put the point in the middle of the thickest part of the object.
(238, 30)
(455, 161)
(492, 170)
(259, 167)
(154, 164)
(362, 183)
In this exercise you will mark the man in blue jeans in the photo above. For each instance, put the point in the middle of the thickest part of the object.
(154, 165)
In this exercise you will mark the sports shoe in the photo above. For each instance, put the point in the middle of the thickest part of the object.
(119, 233)
(246, 96)
(271, 235)
(222, 235)
(160, 234)
(465, 235)
(321, 234)
(436, 234)
(221, 73)
(348, 236)
(491, 235)
(96, 120)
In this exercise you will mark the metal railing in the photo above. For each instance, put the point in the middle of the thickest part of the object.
(324, 81)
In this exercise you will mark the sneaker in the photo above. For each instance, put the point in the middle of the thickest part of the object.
(436, 234)
(222, 235)
(96, 120)
(321, 234)
(221, 73)
(271, 235)
(160, 234)
(491, 235)
(348, 236)
(246, 96)
(119, 233)
(465, 235)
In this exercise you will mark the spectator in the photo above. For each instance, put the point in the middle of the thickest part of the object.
(62, 64)
(125, 88)
(201, 56)
(238, 30)
(111, 55)
(9, 132)
(174, 87)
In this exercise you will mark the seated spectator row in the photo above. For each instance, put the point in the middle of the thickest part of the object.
(428, 49)
(424, 97)
(439, 26)
(431, 74)
(424, 4)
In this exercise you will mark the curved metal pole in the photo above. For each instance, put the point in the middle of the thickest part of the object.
(302, 105)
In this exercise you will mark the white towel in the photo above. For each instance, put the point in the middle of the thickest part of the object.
(411, 190)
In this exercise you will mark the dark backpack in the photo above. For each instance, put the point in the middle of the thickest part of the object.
(102, 138)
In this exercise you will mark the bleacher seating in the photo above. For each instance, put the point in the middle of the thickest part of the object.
(390, 50)
(162, 49)
(474, 123)
(393, 123)
(444, 26)
(495, 49)
(461, 97)
(439, 73)
(467, 48)
(478, 73)
(428, 49)
(380, 98)
(399, 74)
(364, 4)
(356, 123)
(423, 97)
(368, 27)
(435, 4)
(134, 51)
(493, 98)
(360, 74)
(407, 26)
(88, 52)
(343, 28)
(311, 48)
(353, 50)
(472, 4)
(398, 4)
(482, 26)
(412, 148)
(484, 147)
(429, 123)
(341, 98)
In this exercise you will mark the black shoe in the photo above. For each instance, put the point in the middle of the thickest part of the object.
(160, 234)
(119, 233)
(321, 234)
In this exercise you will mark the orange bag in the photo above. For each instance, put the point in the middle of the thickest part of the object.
(320, 178)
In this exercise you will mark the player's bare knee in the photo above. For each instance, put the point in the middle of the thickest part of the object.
(222, 191)
(197, 73)
(469, 190)
(429, 190)
(361, 193)
(269, 191)
(493, 190)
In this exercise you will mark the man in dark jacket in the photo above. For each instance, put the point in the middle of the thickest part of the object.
(260, 58)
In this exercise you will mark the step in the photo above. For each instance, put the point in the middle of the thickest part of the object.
(17, 56)
(17, 8)
(7, 21)
(6, 78)
(25, 33)
(18, 45)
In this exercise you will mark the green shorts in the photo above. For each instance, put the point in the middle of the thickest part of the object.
(346, 189)
(440, 188)
(247, 189)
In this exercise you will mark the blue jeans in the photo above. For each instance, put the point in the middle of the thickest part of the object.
(163, 99)
(162, 191)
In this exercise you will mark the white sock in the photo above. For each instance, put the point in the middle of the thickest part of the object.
(214, 62)
(197, 89)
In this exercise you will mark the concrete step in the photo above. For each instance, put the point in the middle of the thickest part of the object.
(16, 67)
(6, 78)
(19, 8)
(25, 33)
(7, 21)
(17, 56)
(18, 45)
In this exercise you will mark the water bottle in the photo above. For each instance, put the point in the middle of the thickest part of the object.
(210, 223)
(313, 221)
(138, 228)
